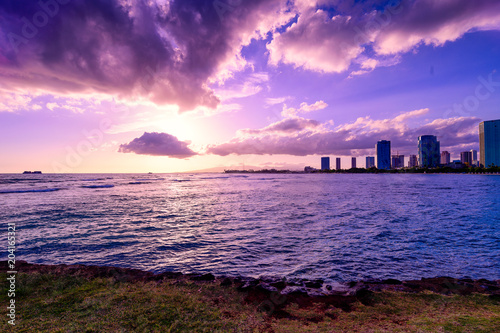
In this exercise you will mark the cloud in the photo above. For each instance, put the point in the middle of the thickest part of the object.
(320, 41)
(158, 144)
(304, 108)
(10, 102)
(252, 85)
(171, 52)
(433, 22)
(276, 100)
(316, 42)
(290, 125)
(307, 137)
(164, 52)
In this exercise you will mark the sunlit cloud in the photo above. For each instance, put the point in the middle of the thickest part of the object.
(303, 108)
(321, 42)
(300, 137)
(252, 85)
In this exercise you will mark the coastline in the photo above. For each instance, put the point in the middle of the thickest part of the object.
(316, 288)
(405, 171)
(104, 298)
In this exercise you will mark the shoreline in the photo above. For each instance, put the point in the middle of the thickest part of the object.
(313, 288)
(84, 298)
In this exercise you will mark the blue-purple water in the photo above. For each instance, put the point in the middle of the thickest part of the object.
(334, 226)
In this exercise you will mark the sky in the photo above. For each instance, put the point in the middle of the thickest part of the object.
(182, 85)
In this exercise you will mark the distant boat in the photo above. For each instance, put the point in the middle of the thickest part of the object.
(30, 172)
(150, 173)
(39, 172)
(25, 172)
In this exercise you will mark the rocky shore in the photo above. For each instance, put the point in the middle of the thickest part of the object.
(279, 291)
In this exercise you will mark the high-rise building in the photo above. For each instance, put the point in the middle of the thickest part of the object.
(412, 161)
(370, 162)
(428, 151)
(325, 163)
(474, 157)
(353, 162)
(383, 149)
(489, 143)
(445, 157)
(397, 161)
(337, 163)
(466, 158)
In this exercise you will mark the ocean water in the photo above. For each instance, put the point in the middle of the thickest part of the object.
(338, 227)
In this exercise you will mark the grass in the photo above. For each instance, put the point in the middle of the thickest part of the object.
(50, 303)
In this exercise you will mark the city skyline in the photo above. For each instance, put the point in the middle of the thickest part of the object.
(191, 87)
(429, 153)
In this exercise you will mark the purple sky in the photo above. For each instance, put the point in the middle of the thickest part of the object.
(169, 86)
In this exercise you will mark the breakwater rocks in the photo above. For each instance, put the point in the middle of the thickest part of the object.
(275, 292)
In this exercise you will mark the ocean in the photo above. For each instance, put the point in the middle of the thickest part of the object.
(337, 227)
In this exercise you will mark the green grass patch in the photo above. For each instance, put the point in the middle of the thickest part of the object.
(61, 303)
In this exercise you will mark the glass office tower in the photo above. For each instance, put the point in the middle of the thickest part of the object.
(489, 143)
(445, 157)
(325, 163)
(413, 161)
(428, 151)
(370, 161)
(383, 149)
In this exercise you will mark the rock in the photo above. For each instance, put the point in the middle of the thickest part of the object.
(314, 284)
(226, 282)
(203, 277)
(279, 285)
(365, 296)
(270, 279)
(411, 285)
(392, 281)
(490, 287)
(266, 287)
(336, 288)
(248, 285)
(293, 290)
(168, 275)
(315, 293)
(276, 282)
(294, 282)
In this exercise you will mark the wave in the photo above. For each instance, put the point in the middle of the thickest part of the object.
(98, 186)
(214, 177)
(30, 191)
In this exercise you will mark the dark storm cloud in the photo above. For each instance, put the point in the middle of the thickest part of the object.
(158, 144)
(164, 52)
